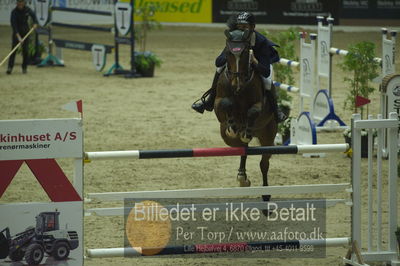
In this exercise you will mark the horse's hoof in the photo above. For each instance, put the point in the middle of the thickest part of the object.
(241, 177)
(245, 183)
(245, 138)
(230, 132)
(266, 197)
(266, 213)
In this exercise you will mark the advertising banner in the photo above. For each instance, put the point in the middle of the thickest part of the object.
(42, 232)
(370, 9)
(223, 9)
(191, 11)
(278, 12)
(40, 139)
(23, 226)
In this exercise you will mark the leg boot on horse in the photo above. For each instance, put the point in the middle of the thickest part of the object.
(242, 176)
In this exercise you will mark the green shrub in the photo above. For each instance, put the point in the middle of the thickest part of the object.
(361, 64)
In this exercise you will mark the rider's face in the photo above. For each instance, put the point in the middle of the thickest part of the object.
(21, 5)
(245, 27)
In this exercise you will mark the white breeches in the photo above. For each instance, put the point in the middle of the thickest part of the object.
(268, 80)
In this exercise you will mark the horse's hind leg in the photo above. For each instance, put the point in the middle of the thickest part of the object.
(242, 176)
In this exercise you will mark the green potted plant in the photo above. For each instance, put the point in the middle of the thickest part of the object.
(146, 61)
(284, 129)
(35, 50)
(360, 62)
(284, 102)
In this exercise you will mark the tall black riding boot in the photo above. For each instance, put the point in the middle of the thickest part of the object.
(279, 115)
(206, 102)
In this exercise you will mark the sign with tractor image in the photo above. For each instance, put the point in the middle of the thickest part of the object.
(41, 234)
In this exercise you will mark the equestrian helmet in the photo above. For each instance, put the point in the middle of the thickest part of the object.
(245, 18)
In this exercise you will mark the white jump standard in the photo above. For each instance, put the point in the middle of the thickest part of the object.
(321, 108)
(326, 51)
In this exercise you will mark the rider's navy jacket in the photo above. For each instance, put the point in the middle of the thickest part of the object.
(264, 52)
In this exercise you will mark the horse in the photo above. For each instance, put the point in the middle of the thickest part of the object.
(241, 105)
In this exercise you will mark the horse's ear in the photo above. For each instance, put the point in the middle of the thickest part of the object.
(228, 34)
(246, 34)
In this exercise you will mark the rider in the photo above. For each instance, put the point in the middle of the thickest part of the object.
(264, 56)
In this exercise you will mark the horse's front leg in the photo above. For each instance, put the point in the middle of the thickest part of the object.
(266, 137)
(264, 166)
(226, 106)
(242, 176)
(252, 114)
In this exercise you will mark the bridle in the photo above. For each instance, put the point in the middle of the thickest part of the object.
(238, 44)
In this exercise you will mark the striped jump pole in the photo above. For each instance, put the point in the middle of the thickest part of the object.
(342, 52)
(286, 87)
(208, 152)
(290, 63)
(215, 248)
(287, 62)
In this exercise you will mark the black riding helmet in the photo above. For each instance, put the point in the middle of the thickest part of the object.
(243, 17)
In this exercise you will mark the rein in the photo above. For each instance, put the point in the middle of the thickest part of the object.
(231, 75)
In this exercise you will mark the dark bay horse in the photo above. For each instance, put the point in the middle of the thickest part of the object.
(240, 105)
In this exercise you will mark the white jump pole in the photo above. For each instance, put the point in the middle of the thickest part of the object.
(262, 205)
(222, 192)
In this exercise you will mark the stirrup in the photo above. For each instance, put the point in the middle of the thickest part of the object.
(201, 104)
(205, 95)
